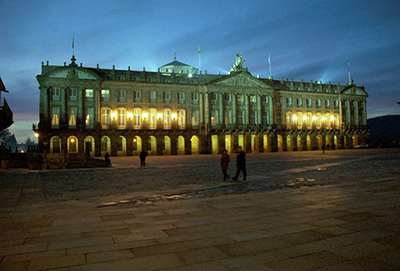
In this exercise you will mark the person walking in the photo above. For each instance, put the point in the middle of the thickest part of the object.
(107, 159)
(225, 164)
(142, 156)
(240, 164)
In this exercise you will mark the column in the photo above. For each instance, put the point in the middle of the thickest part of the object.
(271, 111)
(246, 120)
(221, 110)
(355, 112)
(258, 115)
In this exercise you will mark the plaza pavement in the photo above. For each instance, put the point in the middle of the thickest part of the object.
(346, 218)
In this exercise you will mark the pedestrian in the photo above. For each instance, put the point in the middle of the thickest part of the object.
(142, 156)
(323, 148)
(225, 164)
(107, 159)
(240, 164)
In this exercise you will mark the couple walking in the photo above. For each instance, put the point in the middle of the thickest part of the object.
(240, 164)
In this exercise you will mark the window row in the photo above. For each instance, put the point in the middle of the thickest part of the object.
(309, 103)
(299, 120)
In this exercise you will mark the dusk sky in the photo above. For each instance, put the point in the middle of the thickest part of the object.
(309, 40)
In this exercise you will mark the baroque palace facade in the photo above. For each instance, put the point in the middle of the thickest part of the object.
(177, 110)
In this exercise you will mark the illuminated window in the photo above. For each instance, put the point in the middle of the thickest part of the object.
(55, 117)
(105, 117)
(105, 95)
(195, 118)
(137, 118)
(181, 119)
(167, 118)
(240, 99)
(214, 118)
(72, 118)
(308, 120)
(299, 120)
(227, 118)
(289, 119)
(152, 118)
(89, 117)
(121, 118)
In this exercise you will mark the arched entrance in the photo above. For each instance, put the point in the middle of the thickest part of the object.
(72, 144)
(152, 144)
(289, 143)
(167, 145)
(214, 144)
(121, 146)
(299, 143)
(266, 145)
(195, 144)
(55, 144)
(89, 146)
(241, 142)
(254, 143)
(105, 145)
(228, 143)
(309, 143)
(319, 142)
(280, 143)
(136, 145)
(335, 142)
(181, 145)
(328, 142)
(355, 140)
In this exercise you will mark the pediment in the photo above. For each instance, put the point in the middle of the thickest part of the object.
(355, 91)
(241, 80)
(73, 73)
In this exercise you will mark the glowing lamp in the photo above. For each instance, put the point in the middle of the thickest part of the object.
(72, 140)
(190, 75)
(314, 118)
(294, 117)
(159, 116)
(332, 118)
(114, 115)
(323, 118)
(174, 115)
(144, 115)
(304, 117)
(134, 140)
(130, 115)
(36, 135)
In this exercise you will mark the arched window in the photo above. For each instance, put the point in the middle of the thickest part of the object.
(72, 144)
(121, 118)
(167, 118)
(72, 117)
(55, 145)
(105, 117)
(137, 118)
(152, 118)
(289, 119)
(181, 119)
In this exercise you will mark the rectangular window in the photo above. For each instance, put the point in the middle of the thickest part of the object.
(289, 102)
(55, 94)
(195, 98)
(105, 117)
(166, 97)
(122, 96)
(121, 118)
(72, 94)
(214, 118)
(309, 103)
(336, 104)
(152, 97)
(105, 95)
(252, 117)
(55, 117)
(264, 100)
(299, 102)
(327, 104)
(181, 97)
(318, 103)
(137, 117)
(167, 119)
(89, 94)
(181, 119)
(265, 118)
(214, 98)
(278, 101)
(138, 96)
(227, 98)
(227, 118)
(240, 118)
(152, 118)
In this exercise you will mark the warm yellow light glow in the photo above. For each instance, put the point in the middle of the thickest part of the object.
(304, 117)
(294, 117)
(134, 140)
(332, 118)
(314, 118)
(159, 116)
(174, 115)
(144, 115)
(190, 75)
(72, 140)
(114, 115)
(323, 118)
(130, 115)
(36, 135)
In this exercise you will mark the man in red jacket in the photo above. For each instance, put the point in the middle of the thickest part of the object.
(225, 164)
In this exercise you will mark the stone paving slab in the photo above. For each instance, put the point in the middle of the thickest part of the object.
(333, 226)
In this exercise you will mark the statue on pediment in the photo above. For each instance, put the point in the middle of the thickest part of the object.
(238, 66)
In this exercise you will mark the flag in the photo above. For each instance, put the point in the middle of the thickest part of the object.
(269, 59)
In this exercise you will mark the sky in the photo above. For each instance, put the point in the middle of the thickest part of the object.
(309, 40)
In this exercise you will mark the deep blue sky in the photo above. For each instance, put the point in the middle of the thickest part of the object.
(310, 40)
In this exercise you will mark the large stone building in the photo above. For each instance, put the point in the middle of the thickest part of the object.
(177, 110)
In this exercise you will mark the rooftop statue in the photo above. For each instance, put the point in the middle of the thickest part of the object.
(238, 66)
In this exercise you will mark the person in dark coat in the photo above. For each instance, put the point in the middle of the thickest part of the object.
(142, 156)
(107, 159)
(225, 164)
(240, 164)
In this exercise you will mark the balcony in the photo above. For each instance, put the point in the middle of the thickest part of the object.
(6, 116)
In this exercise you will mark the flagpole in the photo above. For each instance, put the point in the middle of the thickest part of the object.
(73, 44)
(199, 60)
(269, 63)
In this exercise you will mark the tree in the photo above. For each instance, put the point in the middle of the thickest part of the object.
(7, 139)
